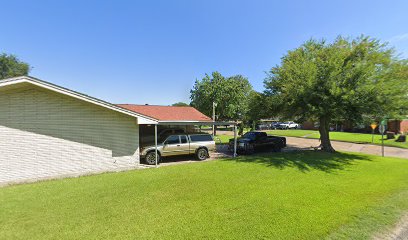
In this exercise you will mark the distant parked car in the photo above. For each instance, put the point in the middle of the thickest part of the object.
(275, 125)
(199, 144)
(289, 125)
(263, 127)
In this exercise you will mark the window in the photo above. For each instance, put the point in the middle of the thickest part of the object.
(201, 138)
(173, 140)
(250, 135)
(183, 139)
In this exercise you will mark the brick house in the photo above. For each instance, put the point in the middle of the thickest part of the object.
(48, 131)
(398, 126)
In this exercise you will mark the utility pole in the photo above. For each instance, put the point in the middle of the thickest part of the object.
(382, 145)
(213, 117)
(382, 131)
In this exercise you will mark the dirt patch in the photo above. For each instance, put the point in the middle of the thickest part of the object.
(398, 232)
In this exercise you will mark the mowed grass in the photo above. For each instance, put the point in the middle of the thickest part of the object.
(292, 133)
(223, 139)
(305, 195)
(341, 136)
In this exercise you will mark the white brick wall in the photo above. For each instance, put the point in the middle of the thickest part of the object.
(45, 134)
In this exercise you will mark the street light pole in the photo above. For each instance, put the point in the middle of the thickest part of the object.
(382, 131)
(382, 144)
(155, 144)
(235, 140)
(213, 117)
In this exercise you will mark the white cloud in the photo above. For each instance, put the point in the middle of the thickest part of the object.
(399, 38)
(400, 42)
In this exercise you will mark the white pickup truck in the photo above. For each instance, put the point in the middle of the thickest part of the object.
(289, 125)
(199, 144)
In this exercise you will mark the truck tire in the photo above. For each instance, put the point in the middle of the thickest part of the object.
(277, 148)
(150, 158)
(202, 154)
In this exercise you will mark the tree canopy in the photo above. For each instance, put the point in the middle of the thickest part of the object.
(258, 107)
(180, 104)
(346, 79)
(11, 66)
(231, 95)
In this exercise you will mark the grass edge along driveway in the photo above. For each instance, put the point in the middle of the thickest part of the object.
(340, 136)
(303, 195)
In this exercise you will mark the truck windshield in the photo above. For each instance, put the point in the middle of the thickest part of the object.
(174, 139)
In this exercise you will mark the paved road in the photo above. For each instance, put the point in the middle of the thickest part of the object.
(306, 143)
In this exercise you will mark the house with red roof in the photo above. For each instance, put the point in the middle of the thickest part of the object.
(48, 130)
(172, 119)
(168, 113)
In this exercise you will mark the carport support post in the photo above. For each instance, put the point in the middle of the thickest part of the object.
(235, 140)
(155, 142)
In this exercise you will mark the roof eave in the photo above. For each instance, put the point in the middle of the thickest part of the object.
(194, 122)
(40, 83)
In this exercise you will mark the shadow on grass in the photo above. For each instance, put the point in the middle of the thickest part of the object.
(304, 161)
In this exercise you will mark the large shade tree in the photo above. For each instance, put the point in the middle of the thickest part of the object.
(258, 107)
(231, 95)
(346, 79)
(11, 66)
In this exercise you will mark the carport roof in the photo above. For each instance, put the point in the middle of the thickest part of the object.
(168, 113)
(173, 115)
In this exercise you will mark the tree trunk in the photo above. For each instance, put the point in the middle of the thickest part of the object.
(324, 135)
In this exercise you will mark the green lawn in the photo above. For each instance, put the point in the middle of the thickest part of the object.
(292, 133)
(304, 195)
(222, 139)
(340, 136)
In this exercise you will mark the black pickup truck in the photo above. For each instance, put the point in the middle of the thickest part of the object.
(251, 142)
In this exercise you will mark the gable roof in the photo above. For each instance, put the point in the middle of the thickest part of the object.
(142, 119)
(168, 113)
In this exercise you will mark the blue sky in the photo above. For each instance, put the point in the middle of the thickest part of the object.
(152, 51)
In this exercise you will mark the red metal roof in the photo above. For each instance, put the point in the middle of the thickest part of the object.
(167, 113)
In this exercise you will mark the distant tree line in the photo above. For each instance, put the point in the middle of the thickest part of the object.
(180, 104)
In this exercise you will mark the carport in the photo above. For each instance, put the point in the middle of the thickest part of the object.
(187, 117)
(186, 123)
